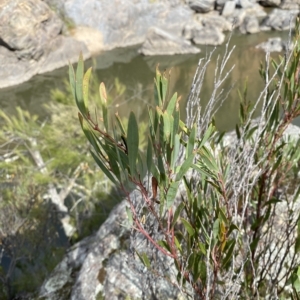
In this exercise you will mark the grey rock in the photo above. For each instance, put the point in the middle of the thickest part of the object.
(105, 265)
(239, 15)
(280, 19)
(245, 3)
(250, 25)
(202, 6)
(160, 42)
(274, 45)
(61, 51)
(228, 8)
(129, 24)
(214, 19)
(26, 26)
(220, 4)
(271, 3)
(208, 35)
(290, 5)
(13, 71)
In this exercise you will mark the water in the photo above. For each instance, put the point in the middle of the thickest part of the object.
(136, 73)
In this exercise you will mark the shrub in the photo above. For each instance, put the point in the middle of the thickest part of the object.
(223, 209)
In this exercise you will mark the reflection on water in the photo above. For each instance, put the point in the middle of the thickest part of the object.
(137, 73)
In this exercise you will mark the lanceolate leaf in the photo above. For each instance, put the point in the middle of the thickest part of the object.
(177, 213)
(104, 168)
(191, 142)
(120, 125)
(103, 97)
(86, 80)
(185, 167)
(132, 143)
(171, 195)
(149, 155)
(188, 227)
(172, 104)
(79, 83)
(207, 135)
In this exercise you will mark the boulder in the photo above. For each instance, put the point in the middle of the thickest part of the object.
(103, 266)
(279, 19)
(272, 45)
(26, 26)
(250, 25)
(209, 36)
(14, 71)
(61, 51)
(214, 19)
(228, 8)
(202, 6)
(129, 24)
(206, 34)
(31, 41)
(160, 42)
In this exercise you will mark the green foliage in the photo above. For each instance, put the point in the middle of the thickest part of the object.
(217, 204)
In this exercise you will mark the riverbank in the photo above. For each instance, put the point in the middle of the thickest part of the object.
(40, 36)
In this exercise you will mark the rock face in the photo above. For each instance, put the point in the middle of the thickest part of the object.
(38, 36)
(159, 42)
(280, 19)
(31, 41)
(129, 25)
(103, 265)
(26, 27)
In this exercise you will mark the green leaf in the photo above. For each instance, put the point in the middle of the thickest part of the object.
(177, 244)
(78, 87)
(120, 124)
(144, 259)
(175, 151)
(104, 168)
(166, 127)
(216, 229)
(207, 135)
(149, 155)
(191, 142)
(171, 195)
(185, 167)
(86, 80)
(132, 143)
(188, 227)
(103, 98)
(172, 104)
(177, 213)
(227, 260)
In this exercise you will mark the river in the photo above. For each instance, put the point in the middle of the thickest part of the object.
(125, 67)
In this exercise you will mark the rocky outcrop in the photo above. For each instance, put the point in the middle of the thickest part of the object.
(38, 36)
(159, 42)
(129, 24)
(31, 41)
(279, 19)
(103, 265)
